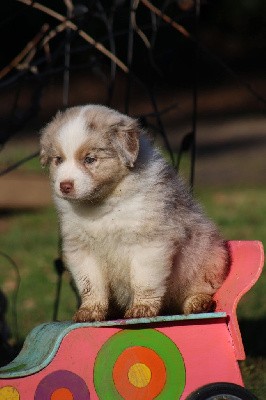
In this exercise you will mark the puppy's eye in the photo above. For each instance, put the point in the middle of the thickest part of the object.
(89, 160)
(58, 160)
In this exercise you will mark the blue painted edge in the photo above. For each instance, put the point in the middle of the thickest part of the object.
(43, 342)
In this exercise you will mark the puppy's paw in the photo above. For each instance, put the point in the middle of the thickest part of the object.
(141, 311)
(90, 314)
(199, 303)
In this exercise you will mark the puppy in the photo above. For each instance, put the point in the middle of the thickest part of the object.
(133, 238)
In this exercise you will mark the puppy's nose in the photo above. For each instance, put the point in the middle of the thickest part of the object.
(66, 186)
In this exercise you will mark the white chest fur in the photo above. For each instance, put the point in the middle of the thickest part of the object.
(113, 224)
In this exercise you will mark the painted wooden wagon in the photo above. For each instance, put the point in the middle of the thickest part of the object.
(165, 358)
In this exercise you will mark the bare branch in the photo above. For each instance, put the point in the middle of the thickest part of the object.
(69, 6)
(27, 49)
(81, 33)
(136, 27)
(58, 29)
(166, 18)
(26, 62)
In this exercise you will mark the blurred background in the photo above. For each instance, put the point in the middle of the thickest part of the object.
(191, 71)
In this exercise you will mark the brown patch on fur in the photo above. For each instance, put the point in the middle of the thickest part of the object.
(53, 160)
(92, 125)
(88, 149)
(94, 120)
(83, 151)
(56, 151)
(49, 132)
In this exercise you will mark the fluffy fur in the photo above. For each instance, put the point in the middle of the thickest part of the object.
(133, 238)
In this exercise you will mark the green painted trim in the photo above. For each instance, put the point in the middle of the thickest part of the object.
(43, 342)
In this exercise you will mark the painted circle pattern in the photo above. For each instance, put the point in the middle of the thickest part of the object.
(126, 364)
(62, 385)
(139, 364)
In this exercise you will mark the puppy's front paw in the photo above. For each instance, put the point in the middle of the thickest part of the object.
(90, 314)
(199, 303)
(141, 311)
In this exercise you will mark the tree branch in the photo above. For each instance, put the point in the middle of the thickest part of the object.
(81, 33)
(166, 18)
(27, 49)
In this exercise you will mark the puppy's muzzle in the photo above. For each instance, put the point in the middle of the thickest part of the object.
(66, 187)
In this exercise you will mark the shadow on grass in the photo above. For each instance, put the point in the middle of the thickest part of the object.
(253, 368)
(233, 144)
(253, 335)
(7, 351)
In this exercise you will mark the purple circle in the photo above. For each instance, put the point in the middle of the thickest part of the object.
(62, 379)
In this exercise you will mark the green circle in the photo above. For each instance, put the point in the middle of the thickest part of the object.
(152, 339)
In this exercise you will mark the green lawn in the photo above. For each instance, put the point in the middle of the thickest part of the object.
(31, 239)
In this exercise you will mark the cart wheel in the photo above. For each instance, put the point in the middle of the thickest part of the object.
(222, 391)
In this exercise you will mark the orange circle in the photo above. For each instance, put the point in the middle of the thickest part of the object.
(139, 355)
(62, 394)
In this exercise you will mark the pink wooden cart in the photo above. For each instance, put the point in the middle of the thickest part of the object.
(166, 358)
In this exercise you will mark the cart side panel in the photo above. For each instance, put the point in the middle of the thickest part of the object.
(92, 362)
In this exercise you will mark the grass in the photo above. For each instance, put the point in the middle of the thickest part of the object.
(31, 239)
(18, 152)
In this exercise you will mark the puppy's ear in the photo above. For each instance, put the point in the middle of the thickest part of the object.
(126, 140)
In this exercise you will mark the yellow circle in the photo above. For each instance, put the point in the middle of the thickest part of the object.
(139, 375)
(9, 393)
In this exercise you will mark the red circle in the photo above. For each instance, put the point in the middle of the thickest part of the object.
(143, 355)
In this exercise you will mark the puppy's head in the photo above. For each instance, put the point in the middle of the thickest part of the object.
(89, 150)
